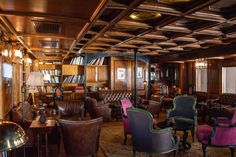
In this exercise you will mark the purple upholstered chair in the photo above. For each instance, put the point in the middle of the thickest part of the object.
(223, 134)
(125, 103)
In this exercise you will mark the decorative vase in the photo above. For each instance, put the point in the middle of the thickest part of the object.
(42, 119)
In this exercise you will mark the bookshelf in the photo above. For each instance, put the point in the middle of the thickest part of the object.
(98, 72)
(71, 76)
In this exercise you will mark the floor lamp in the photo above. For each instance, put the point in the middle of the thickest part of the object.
(12, 136)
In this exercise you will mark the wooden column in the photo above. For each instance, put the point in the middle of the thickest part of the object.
(135, 76)
(85, 75)
(1, 90)
(23, 88)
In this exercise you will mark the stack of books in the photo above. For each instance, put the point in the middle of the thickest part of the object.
(79, 89)
(74, 79)
(77, 61)
(99, 61)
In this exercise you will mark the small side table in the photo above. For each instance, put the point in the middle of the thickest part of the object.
(42, 129)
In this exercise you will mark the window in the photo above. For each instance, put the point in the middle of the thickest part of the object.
(201, 79)
(229, 80)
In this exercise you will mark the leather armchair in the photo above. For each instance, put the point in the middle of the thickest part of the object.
(70, 109)
(184, 109)
(125, 103)
(154, 107)
(145, 138)
(17, 117)
(97, 109)
(81, 138)
(223, 134)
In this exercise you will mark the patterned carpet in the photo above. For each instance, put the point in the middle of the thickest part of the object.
(111, 143)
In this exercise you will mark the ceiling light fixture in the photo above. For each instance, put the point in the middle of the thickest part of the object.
(173, 1)
(143, 16)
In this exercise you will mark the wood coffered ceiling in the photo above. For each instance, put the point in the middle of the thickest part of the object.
(49, 28)
(65, 28)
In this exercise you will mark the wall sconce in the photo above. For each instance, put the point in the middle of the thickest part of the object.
(18, 53)
(201, 63)
(29, 60)
(5, 53)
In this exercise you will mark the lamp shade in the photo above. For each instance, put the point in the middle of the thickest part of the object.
(11, 136)
(35, 79)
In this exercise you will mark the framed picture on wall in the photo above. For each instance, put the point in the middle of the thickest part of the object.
(139, 72)
(120, 73)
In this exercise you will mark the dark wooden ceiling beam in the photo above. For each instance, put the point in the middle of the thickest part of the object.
(124, 13)
(38, 14)
(88, 25)
(221, 50)
(45, 36)
(11, 29)
(170, 19)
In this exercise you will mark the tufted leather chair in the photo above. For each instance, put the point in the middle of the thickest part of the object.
(113, 97)
(71, 109)
(81, 138)
(97, 109)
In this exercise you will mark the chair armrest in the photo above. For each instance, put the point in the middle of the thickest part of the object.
(171, 113)
(221, 121)
(217, 100)
(163, 139)
(103, 111)
(27, 123)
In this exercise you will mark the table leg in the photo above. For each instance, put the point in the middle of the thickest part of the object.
(38, 136)
(46, 142)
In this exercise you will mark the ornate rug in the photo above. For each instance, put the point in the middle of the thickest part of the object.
(111, 143)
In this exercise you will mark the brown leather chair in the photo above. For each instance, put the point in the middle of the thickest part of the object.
(71, 109)
(16, 116)
(154, 107)
(97, 109)
(81, 138)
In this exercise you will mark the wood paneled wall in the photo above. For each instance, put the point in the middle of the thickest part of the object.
(214, 76)
(127, 83)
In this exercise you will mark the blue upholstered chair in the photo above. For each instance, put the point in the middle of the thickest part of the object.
(145, 138)
(184, 110)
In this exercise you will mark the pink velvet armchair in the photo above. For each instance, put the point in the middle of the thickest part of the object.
(222, 134)
(125, 103)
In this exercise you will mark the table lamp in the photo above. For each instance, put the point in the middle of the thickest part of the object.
(35, 81)
(12, 136)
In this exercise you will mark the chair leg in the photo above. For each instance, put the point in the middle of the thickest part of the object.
(204, 150)
(134, 153)
(176, 153)
(232, 152)
(125, 135)
(24, 150)
(193, 134)
(94, 155)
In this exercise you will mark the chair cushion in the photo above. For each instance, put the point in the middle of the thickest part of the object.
(203, 133)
